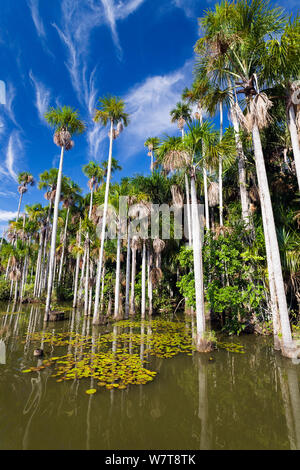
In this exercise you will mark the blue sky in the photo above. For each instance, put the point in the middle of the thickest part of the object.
(74, 51)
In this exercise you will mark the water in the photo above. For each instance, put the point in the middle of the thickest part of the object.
(222, 400)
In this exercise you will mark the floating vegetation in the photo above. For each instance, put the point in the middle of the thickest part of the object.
(119, 358)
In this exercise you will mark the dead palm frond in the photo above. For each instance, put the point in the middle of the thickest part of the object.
(158, 245)
(155, 276)
(258, 113)
(213, 194)
(177, 196)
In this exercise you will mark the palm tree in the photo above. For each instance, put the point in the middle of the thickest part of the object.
(214, 63)
(95, 174)
(111, 111)
(281, 63)
(69, 197)
(217, 98)
(25, 179)
(151, 143)
(170, 151)
(66, 123)
(185, 157)
(240, 42)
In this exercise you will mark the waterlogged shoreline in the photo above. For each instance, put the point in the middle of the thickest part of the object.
(241, 396)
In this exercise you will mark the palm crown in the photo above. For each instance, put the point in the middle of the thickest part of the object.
(111, 109)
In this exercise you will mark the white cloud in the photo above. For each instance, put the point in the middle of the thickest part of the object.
(190, 7)
(8, 194)
(79, 19)
(149, 105)
(42, 97)
(5, 216)
(38, 23)
(13, 151)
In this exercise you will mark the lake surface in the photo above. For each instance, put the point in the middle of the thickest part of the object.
(247, 399)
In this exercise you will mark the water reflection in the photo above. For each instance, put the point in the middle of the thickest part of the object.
(217, 401)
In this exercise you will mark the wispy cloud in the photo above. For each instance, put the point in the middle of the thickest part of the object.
(5, 216)
(190, 7)
(42, 97)
(38, 23)
(8, 194)
(149, 104)
(14, 149)
(79, 19)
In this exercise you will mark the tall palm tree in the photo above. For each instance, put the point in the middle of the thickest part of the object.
(217, 98)
(95, 174)
(281, 64)
(214, 63)
(111, 111)
(69, 197)
(25, 179)
(151, 143)
(185, 157)
(66, 123)
(241, 41)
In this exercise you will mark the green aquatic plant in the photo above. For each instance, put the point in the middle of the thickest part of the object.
(120, 358)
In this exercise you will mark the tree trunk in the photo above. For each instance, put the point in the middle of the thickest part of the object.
(117, 285)
(188, 207)
(269, 224)
(295, 140)
(198, 266)
(127, 275)
(150, 286)
(53, 238)
(19, 207)
(63, 248)
(143, 306)
(221, 169)
(133, 270)
(241, 168)
(77, 268)
(100, 261)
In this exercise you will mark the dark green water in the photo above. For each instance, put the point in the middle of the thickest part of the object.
(219, 401)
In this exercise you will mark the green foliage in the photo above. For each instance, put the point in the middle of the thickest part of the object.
(4, 289)
(65, 118)
(234, 273)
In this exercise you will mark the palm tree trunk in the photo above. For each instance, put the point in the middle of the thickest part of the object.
(19, 207)
(150, 286)
(272, 287)
(63, 248)
(221, 169)
(127, 276)
(241, 166)
(87, 274)
(143, 306)
(198, 266)
(287, 342)
(133, 270)
(100, 261)
(77, 268)
(206, 198)
(38, 265)
(295, 140)
(205, 183)
(188, 207)
(117, 285)
(53, 237)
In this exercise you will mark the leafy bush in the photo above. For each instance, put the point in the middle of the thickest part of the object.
(4, 289)
(233, 274)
